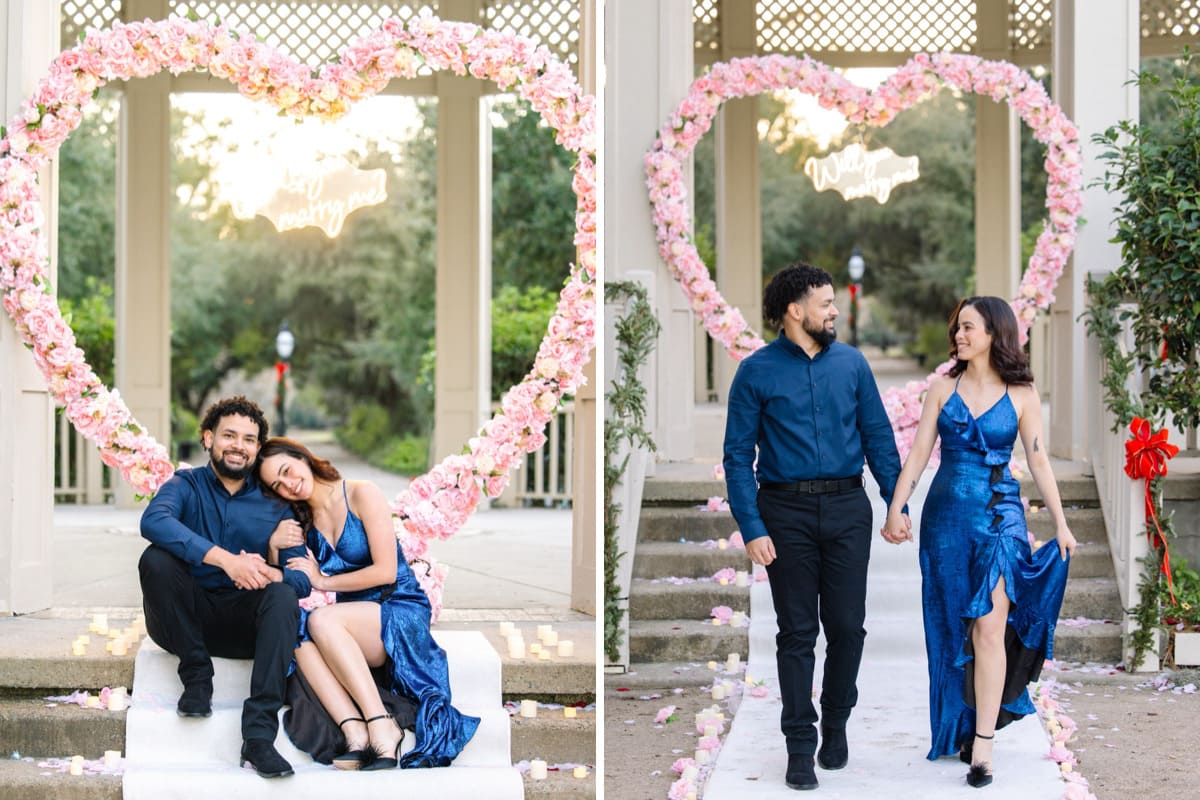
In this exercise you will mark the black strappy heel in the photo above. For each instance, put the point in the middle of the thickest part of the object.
(381, 760)
(980, 775)
(353, 759)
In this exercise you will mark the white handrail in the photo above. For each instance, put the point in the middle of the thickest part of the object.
(79, 474)
(545, 474)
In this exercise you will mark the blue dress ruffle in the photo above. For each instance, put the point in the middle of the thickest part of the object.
(973, 533)
(418, 665)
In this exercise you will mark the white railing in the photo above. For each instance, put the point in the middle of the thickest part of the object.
(79, 474)
(545, 475)
(1121, 499)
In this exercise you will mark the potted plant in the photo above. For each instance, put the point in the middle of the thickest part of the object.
(1181, 618)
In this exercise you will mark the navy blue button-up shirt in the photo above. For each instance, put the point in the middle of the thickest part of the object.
(809, 418)
(194, 511)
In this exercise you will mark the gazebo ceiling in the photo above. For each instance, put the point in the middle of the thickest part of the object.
(887, 32)
(313, 31)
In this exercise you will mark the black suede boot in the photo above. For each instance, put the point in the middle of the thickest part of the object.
(800, 772)
(834, 752)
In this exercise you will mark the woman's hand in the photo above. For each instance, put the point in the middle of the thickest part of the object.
(1066, 542)
(309, 566)
(286, 534)
(897, 529)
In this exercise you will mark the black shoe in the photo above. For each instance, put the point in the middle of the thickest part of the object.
(834, 752)
(382, 759)
(353, 759)
(196, 700)
(262, 755)
(964, 752)
(979, 775)
(800, 772)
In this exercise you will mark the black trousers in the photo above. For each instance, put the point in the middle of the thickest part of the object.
(196, 624)
(819, 577)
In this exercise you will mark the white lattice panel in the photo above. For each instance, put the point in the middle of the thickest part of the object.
(311, 32)
(80, 15)
(554, 23)
(880, 26)
(706, 28)
(1029, 23)
(1170, 19)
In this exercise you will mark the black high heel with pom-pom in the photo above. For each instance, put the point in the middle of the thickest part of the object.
(979, 775)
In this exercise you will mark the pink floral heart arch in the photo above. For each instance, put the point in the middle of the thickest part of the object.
(918, 80)
(435, 504)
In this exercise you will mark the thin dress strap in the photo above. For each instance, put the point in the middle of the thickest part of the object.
(956, 380)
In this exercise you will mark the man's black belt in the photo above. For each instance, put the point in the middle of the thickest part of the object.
(832, 486)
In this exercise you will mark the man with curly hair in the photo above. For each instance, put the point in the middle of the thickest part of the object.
(807, 408)
(207, 588)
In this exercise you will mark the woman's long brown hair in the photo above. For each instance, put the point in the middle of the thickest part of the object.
(1007, 356)
(321, 468)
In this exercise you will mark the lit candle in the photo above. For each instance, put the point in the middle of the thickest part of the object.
(732, 662)
(712, 665)
(690, 796)
(543, 655)
(93, 702)
(737, 619)
(718, 692)
(116, 702)
(701, 757)
(580, 772)
(529, 708)
(507, 628)
(728, 687)
(716, 620)
(113, 633)
(78, 649)
(119, 648)
(722, 544)
(99, 624)
(566, 648)
(723, 581)
(690, 773)
(550, 639)
(742, 578)
(535, 648)
(711, 730)
(542, 630)
(749, 679)
(112, 758)
(537, 769)
(76, 765)
(570, 712)
(516, 647)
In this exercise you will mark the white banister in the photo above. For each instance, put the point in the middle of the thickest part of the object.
(545, 475)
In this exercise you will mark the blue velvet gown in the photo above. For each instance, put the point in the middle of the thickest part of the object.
(972, 534)
(418, 665)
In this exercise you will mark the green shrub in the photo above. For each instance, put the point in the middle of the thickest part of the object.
(930, 348)
(366, 430)
(404, 455)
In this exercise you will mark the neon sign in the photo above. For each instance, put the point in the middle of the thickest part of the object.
(322, 197)
(856, 172)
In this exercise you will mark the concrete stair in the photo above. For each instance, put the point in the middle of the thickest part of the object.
(34, 664)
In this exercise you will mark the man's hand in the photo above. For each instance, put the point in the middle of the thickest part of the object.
(248, 570)
(761, 550)
(286, 534)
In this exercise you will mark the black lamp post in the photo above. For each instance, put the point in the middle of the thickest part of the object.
(856, 266)
(285, 344)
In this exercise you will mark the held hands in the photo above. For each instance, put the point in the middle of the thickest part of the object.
(897, 529)
(309, 566)
(761, 550)
(249, 571)
(287, 534)
(1066, 542)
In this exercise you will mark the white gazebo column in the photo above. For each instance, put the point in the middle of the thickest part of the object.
(1096, 50)
(997, 169)
(463, 337)
(648, 67)
(142, 288)
(29, 36)
(583, 467)
(739, 220)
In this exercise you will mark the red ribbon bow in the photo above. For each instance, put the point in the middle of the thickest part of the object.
(1146, 458)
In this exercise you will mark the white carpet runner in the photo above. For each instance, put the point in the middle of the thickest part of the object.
(171, 758)
(889, 729)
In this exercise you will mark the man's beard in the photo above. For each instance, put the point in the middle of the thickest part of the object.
(822, 337)
(233, 473)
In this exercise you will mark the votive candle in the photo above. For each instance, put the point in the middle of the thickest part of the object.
(701, 757)
(542, 630)
(535, 648)
(516, 647)
(570, 712)
(580, 772)
(566, 648)
(507, 628)
(112, 758)
(529, 708)
(76, 765)
(710, 730)
(543, 655)
(550, 639)
(93, 702)
(116, 702)
(737, 619)
(99, 624)
(722, 544)
(718, 692)
(742, 578)
(119, 648)
(537, 769)
(732, 662)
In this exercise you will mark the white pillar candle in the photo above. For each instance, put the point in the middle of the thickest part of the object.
(529, 708)
(728, 687)
(690, 773)
(732, 662)
(535, 648)
(78, 649)
(701, 757)
(742, 578)
(749, 679)
(507, 629)
(722, 544)
(566, 648)
(76, 765)
(112, 758)
(543, 655)
(118, 648)
(537, 769)
(116, 702)
(542, 630)
(93, 702)
(710, 730)
(738, 619)
(580, 772)
(516, 647)
(718, 692)
(570, 712)
(550, 639)
(99, 624)
(690, 796)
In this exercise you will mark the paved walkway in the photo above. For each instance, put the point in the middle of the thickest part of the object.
(508, 563)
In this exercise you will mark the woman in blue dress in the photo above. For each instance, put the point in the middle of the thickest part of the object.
(990, 601)
(380, 620)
